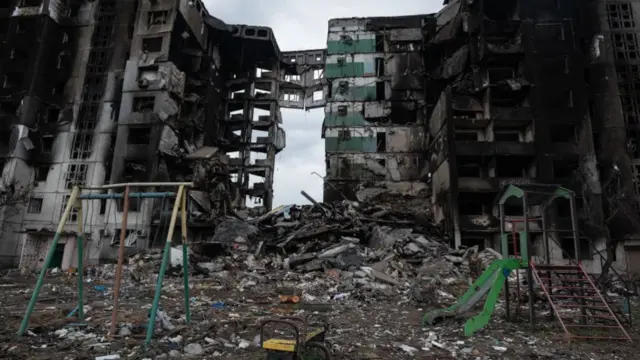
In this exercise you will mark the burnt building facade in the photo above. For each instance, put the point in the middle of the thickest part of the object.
(374, 122)
(114, 91)
(522, 92)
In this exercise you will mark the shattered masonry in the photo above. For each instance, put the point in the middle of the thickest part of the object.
(133, 91)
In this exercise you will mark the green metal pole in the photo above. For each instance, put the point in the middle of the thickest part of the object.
(185, 270)
(163, 267)
(185, 258)
(156, 298)
(47, 262)
(36, 290)
(80, 269)
(80, 244)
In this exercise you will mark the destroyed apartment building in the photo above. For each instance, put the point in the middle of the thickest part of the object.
(113, 91)
(448, 108)
(522, 92)
(374, 123)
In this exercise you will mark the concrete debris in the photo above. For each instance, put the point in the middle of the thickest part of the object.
(372, 267)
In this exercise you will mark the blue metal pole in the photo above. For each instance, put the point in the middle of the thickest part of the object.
(141, 195)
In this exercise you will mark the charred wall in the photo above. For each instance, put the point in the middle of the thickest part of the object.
(615, 104)
(512, 109)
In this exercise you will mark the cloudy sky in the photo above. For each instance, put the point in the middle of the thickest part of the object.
(301, 25)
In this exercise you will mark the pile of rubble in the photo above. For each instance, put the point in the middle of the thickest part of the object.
(359, 263)
(373, 245)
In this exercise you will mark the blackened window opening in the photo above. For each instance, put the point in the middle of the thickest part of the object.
(381, 141)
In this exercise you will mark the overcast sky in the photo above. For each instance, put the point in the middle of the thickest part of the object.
(302, 25)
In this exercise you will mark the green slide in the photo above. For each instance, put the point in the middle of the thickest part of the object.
(491, 281)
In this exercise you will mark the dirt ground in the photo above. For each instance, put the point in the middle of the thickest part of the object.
(227, 311)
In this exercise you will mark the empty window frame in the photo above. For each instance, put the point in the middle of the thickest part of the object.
(291, 96)
(470, 170)
(88, 117)
(76, 175)
(139, 135)
(73, 214)
(379, 42)
(152, 44)
(628, 78)
(470, 207)
(82, 144)
(344, 134)
(93, 90)
(381, 141)
(470, 167)
(620, 16)
(143, 103)
(46, 144)
(41, 172)
(290, 78)
(466, 135)
(631, 108)
(52, 115)
(98, 62)
(380, 91)
(157, 17)
(35, 205)
(568, 247)
(625, 46)
(380, 67)
(506, 135)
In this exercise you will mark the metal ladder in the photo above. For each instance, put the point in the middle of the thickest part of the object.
(577, 303)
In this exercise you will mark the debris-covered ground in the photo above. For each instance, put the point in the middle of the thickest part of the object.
(372, 270)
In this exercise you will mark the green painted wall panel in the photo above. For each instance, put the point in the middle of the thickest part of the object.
(356, 46)
(347, 70)
(355, 144)
(360, 93)
(351, 119)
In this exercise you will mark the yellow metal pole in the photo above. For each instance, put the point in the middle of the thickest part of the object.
(163, 266)
(47, 260)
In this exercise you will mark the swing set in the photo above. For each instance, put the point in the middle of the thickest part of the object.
(75, 204)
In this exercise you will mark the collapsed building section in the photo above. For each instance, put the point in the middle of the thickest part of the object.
(373, 126)
(137, 91)
(303, 81)
(252, 119)
(512, 103)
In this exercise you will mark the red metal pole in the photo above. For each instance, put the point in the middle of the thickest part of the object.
(123, 236)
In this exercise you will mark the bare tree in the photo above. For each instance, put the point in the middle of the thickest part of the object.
(615, 205)
(13, 194)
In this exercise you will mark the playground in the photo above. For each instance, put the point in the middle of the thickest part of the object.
(219, 316)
